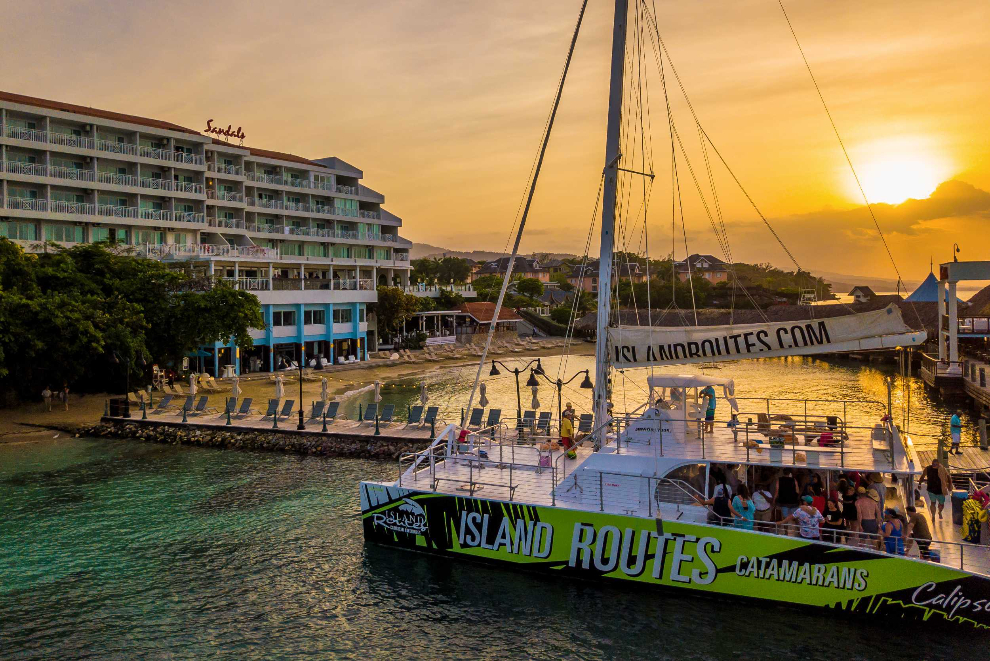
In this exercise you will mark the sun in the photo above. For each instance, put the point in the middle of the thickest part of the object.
(893, 171)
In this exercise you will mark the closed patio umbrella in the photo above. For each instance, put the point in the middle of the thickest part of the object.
(279, 387)
(378, 391)
(483, 396)
(324, 392)
(192, 384)
(235, 389)
(536, 402)
(423, 395)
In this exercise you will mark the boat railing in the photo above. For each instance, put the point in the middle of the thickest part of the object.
(415, 458)
(805, 408)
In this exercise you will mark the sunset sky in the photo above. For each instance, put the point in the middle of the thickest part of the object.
(442, 104)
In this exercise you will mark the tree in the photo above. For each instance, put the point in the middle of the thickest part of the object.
(561, 314)
(393, 309)
(448, 300)
(440, 271)
(562, 282)
(530, 287)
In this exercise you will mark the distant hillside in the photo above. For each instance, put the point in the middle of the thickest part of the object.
(842, 283)
(421, 250)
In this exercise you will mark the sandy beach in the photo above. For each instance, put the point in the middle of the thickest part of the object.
(32, 421)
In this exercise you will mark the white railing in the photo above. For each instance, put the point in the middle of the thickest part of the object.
(118, 179)
(191, 250)
(183, 157)
(188, 187)
(155, 214)
(156, 153)
(346, 234)
(264, 178)
(376, 215)
(431, 289)
(223, 168)
(18, 133)
(84, 208)
(249, 284)
(26, 204)
(388, 238)
(224, 196)
(189, 217)
(70, 140)
(346, 190)
(27, 169)
(114, 147)
(116, 211)
(264, 203)
(156, 184)
(73, 174)
(229, 223)
(366, 284)
(400, 257)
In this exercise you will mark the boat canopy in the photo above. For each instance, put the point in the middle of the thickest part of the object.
(684, 381)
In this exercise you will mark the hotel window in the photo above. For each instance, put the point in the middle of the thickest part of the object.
(66, 196)
(292, 249)
(383, 253)
(361, 314)
(343, 315)
(19, 231)
(97, 234)
(22, 193)
(284, 318)
(180, 238)
(184, 208)
(318, 317)
(294, 200)
(148, 236)
(342, 251)
(316, 250)
(226, 188)
(67, 164)
(119, 235)
(227, 215)
(24, 158)
(64, 233)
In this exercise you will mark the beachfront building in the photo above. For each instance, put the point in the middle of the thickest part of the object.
(709, 267)
(304, 236)
(585, 276)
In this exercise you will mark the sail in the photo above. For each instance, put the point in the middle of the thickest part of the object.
(642, 346)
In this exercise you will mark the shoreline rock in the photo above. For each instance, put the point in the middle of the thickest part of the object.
(379, 448)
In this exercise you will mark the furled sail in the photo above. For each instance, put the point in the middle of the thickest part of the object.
(642, 346)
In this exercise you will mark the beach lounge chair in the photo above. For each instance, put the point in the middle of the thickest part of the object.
(475, 420)
(543, 424)
(431, 415)
(177, 389)
(200, 407)
(187, 406)
(330, 412)
(387, 412)
(494, 417)
(415, 416)
(272, 409)
(317, 411)
(230, 406)
(287, 408)
(525, 424)
(370, 412)
(585, 423)
(163, 404)
(245, 409)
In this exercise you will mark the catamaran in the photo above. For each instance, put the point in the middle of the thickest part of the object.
(632, 502)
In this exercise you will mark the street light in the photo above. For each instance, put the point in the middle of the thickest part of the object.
(585, 384)
(517, 371)
(302, 361)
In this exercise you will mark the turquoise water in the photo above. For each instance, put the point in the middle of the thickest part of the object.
(120, 549)
(116, 548)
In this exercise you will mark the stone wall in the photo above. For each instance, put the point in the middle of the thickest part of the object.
(288, 441)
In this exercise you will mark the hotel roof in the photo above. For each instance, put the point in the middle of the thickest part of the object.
(93, 112)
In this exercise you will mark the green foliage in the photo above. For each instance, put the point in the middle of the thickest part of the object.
(530, 287)
(562, 283)
(394, 308)
(65, 313)
(448, 300)
(561, 314)
(441, 270)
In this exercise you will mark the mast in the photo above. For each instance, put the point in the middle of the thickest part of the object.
(608, 213)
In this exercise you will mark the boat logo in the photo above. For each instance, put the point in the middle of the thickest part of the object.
(409, 517)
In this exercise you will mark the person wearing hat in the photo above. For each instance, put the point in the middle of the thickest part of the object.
(876, 484)
(868, 511)
(809, 519)
(955, 426)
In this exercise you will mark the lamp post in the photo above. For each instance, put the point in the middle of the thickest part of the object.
(127, 377)
(302, 361)
(517, 371)
(586, 384)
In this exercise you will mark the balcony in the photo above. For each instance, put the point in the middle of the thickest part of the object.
(26, 204)
(226, 223)
(205, 250)
(188, 187)
(109, 146)
(249, 284)
(221, 168)
(155, 214)
(433, 291)
(374, 215)
(346, 190)
(224, 196)
(188, 217)
(115, 179)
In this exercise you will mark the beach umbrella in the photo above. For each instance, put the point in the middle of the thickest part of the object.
(235, 389)
(279, 387)
(378, 391)
(423, 395)
(192, 384)
(483, 396)
(324, 393)
(536, 402)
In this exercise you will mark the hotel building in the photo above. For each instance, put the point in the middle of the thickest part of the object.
(304, 236)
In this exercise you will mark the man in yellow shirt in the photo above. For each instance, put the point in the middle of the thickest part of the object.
(567, 434)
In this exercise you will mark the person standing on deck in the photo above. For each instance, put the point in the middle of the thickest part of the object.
(46, 395)
(567, 435)
(785, 493)
(918, 530)
(955, 426)
(939, 483)
(708, 393)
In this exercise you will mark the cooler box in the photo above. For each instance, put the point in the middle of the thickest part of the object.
(959, 496)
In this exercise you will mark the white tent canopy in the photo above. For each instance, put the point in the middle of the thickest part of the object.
(684, 381)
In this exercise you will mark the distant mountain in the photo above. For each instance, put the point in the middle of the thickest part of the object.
(842, 283)
(421, 250)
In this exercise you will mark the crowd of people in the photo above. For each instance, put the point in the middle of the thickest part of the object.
(850, 508)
